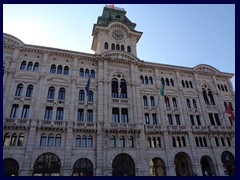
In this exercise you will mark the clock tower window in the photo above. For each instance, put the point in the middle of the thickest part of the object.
(113, 46)
(106, 45)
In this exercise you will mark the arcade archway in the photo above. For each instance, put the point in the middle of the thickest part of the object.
(123, 165)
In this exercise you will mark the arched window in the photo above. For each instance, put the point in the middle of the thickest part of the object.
(53, 69)
(149, 142)
(123, 88)
(153, 142)
(170, 121)
(122, 141)
(178, 142)
(162, 82)
(25, 111)
(87, 73)
(188, 103)
(190, 84)
(81, 95)
(219, 87)
(150, 80)
(90, 115)
(113, 141)
(58, 140)
(29, 67)
(216, 141)
(36, 67)
(231, 106)
(51, 92)
(124, 118)
(13, 139)
(187, 84)
(61, 94)
(115, 115)
(211, 97)
(228, 141)
(152, 101)
(23, 65)
(194, 103)
(80, 115)
(167, 101)
(89, 142)
(174, 102)
(113, 46)
(122, 47)
(205, 97)
(192, 120)
(177, 119)
(92, 74)
(105, 45)
(66, 70)
(130, 142)
(198, 120)
(205, 141)
(141, 79)
(6, 139)
(117, 47)
(158, 142)
(59, 69)
(78, 141)
(147, 120)
(146, 80)
(171, 82)
(167, 82)
(29, 91)
(43, 140)
(222, 141)
(90, 96)
(225, 87)
(59, 113)
(14, 111)
(19, 90)
(81, 72)
(201, 141)
(84, 141)
(129, 49)
(173, 141)
(196, 141)
(48, 113)
(114, 88)
(183, 84)
(145, 103)
(50, 140)
(222, 87)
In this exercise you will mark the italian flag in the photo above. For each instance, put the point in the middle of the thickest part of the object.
(229, 111)
(163, 94)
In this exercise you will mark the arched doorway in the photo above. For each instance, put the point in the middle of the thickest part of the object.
(47, 164)
(183, 165)
(123, 165)
(207, 166)
(10, 167)
(157, 167)
(228, 161)
(83, 167)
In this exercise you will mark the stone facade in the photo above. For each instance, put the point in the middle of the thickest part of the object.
(46, 110)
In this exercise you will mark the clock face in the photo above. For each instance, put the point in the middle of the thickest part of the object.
(118, 35)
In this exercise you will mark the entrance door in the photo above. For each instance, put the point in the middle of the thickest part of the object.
(123, 165)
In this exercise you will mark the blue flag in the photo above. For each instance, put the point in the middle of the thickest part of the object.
(87, 85)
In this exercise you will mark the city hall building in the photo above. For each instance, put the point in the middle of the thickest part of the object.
(68, 113)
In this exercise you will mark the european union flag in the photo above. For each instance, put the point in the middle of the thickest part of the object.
(87, 85)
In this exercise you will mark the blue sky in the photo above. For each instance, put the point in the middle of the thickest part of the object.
(183, 35)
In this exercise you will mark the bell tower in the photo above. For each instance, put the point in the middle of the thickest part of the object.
(115, 32)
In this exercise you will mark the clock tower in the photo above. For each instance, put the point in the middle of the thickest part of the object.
(115, 32)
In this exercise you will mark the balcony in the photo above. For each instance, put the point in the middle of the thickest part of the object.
(177, 128)
(153, 128)
(119, 101)
(16, 122)
(120, 127)
(52, 123)
(85, 126)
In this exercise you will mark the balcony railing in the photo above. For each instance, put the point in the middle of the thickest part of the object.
(17, 122)
(52, 123)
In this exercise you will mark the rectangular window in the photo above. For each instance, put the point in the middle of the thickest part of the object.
(147, 118)
(198, 120)
(90, 115)
(80, 115)
(59, 114)
(211, 118)
(14, 111)
(177, 119)
(115, 115)
(154, 118)
(25, 111)
(192, 120)
(170, 121)
(48, 113)
(217, 119)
